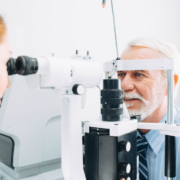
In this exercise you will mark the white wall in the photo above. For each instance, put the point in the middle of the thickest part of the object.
(177, 100)
(43, 27)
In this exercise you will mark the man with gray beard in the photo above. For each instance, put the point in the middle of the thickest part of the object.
(145, 94)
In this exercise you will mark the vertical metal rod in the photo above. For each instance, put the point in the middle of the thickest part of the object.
(170, 113)
(114, 28)
(170, 142)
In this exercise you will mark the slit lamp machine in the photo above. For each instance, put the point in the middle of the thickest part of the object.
(42, 140)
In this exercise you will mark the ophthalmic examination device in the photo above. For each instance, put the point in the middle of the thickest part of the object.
(38, 144)
(41, 129)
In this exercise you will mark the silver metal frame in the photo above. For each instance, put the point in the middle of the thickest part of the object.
(165, 64)
(170, 113)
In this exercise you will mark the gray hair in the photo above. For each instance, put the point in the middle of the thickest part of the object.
(165, 49)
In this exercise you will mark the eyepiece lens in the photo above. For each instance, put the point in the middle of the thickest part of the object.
(11, 66)
(18, 65)
(26, 65)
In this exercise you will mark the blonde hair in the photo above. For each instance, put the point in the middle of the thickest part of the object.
(2, 29)
(166, 50)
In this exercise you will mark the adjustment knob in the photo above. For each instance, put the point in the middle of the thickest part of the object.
(125, 168)
(138, 117)
(124, 146)
(78, 89)
(125, 178)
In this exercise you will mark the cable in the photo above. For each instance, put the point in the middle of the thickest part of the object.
(113, 70)
(115, 29)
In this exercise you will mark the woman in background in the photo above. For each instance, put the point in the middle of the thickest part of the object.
(5, 54)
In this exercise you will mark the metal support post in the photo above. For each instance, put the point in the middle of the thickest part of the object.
(170, 141)
(170, 113)
(71, 138)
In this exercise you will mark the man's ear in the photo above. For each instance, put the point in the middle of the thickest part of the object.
(176, 78)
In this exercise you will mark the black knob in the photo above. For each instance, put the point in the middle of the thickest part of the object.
(138, 117)
(124, 146)
(125, 178)
(111, 100)
(78, 89)
(125, 168)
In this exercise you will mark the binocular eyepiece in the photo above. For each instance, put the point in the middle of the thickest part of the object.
(11, 66)
(26, 65)
(23, 65)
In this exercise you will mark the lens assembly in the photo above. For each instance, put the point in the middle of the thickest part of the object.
(26, 65)
(11, 66)
(111, 100)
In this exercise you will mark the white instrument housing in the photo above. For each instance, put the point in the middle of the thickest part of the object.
(32, 119)
(58, 73)
(30, 115)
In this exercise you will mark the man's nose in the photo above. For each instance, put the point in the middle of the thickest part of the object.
(9, 83)
(127, 84)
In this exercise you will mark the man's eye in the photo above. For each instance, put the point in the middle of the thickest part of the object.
(121, 75)
(138, 74)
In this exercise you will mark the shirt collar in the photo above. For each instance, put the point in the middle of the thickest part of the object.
(154, 138)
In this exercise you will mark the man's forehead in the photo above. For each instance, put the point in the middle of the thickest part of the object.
(139, 52)
(140, 71)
